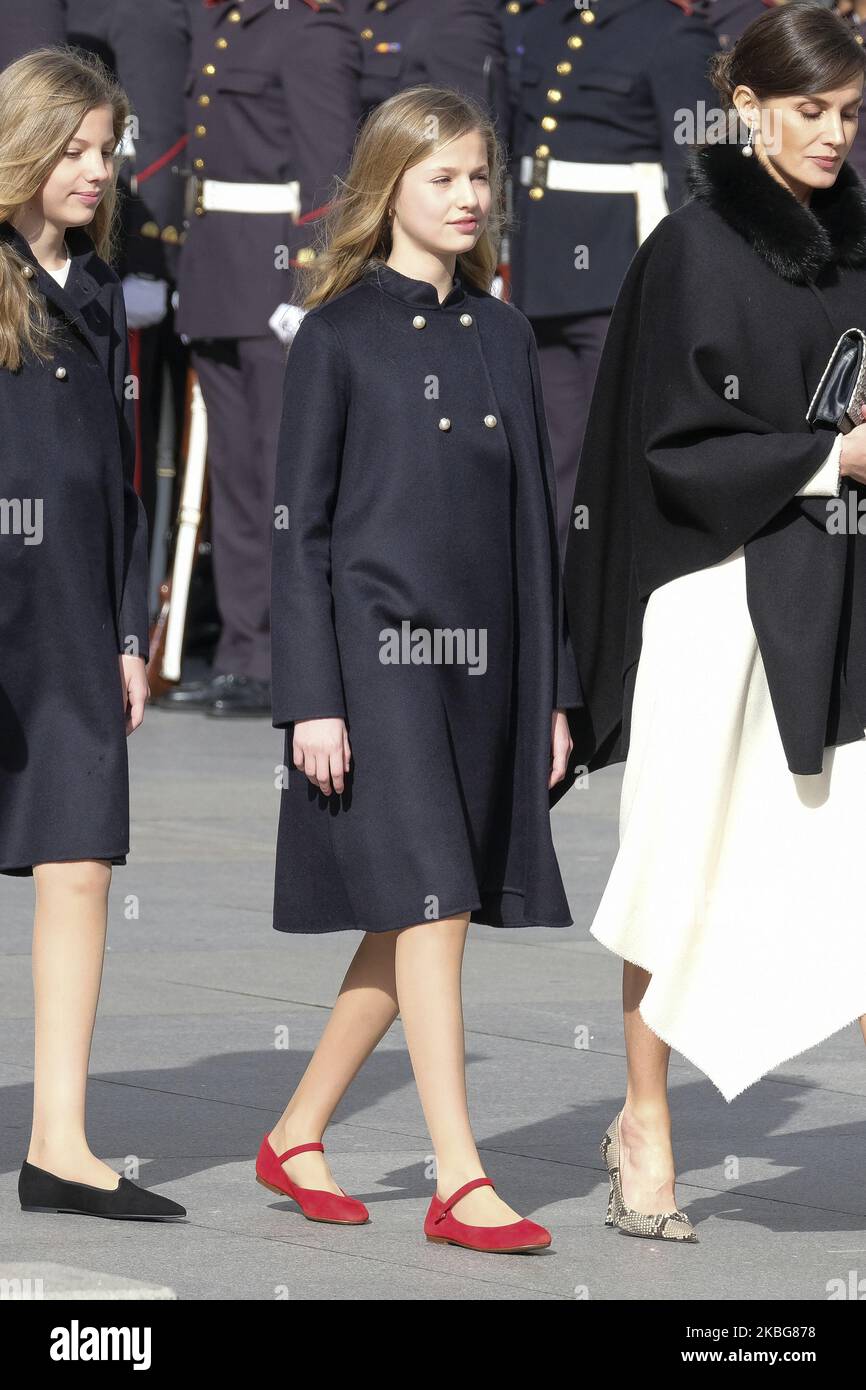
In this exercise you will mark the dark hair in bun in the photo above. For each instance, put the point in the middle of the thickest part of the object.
(800, 47)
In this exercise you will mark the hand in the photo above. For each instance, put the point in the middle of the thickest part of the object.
(853, 461)
(320, 748)
(146, 301)
(135, 690)
(560, 747)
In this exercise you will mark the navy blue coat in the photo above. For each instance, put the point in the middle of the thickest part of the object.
(77, 597)
(415, 473)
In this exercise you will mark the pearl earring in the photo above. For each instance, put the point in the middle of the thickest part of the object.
(748, 150)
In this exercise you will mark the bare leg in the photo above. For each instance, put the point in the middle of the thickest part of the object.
(646, 1153)
(68, 950)
(429, 960)
(365, 1009)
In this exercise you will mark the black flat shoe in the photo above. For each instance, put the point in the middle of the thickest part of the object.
(191, 695)
(240, 697)
(39, 1190)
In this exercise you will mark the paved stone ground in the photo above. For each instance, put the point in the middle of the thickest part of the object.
(186, 1075)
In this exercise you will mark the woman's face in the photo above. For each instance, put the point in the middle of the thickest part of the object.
(442, 204)
(806, 138)
(74, 188)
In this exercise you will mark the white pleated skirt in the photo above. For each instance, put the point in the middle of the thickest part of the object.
(738, 884)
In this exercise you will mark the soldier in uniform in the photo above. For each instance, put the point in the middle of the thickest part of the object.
(273, 107)
(601, 154)
(441, 43)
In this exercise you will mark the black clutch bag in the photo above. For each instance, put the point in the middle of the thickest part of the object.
(842, 389)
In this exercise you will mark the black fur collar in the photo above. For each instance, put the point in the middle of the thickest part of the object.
(797, 242)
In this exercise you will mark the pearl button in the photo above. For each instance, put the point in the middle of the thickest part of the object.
(29, 272)
(60, 373)
(419, 321)
(490, 421)
(444, 423)
(466, 320)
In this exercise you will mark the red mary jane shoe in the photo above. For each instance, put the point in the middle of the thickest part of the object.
(443, 1228)
(315, 1203)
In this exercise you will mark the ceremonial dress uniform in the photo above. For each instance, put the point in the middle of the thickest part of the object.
(600, 160)
(272, 111)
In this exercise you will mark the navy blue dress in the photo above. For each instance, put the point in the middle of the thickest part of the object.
(413, 482)
(73, 579)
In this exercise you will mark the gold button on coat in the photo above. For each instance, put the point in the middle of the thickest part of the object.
(490, 421)
(60, 373)
(419, 321)
(444, 423)
(466, 320)
(587, 17)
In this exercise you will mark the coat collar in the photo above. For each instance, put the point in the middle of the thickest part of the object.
(796, 242)
(410, 291)
(82, 283)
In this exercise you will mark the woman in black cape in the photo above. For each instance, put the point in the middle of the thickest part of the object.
(716, 594)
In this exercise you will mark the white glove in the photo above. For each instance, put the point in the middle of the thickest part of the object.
(146, 301)
(285, 321)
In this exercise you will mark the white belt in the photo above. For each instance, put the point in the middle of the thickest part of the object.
(218, 196)
(645, 180)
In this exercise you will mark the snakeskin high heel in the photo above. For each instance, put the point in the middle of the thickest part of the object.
(668, 1225)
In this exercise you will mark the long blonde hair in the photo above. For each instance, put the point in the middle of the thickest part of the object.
(44, 97)
(398, 134)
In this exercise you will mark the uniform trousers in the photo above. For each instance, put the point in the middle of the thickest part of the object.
(242, 385)
(569, 350)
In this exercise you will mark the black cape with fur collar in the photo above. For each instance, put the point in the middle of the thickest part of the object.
(697, 444)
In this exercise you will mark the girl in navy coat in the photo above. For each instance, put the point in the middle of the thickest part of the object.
(420, 662)
(73, 555)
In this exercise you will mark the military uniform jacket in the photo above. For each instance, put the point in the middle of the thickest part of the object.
(598, 85)
(272, 96)
(443, 43)
(415, 476)
(697, 443)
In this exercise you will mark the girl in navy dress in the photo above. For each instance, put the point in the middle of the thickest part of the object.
(73, 558)
(420, 662)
